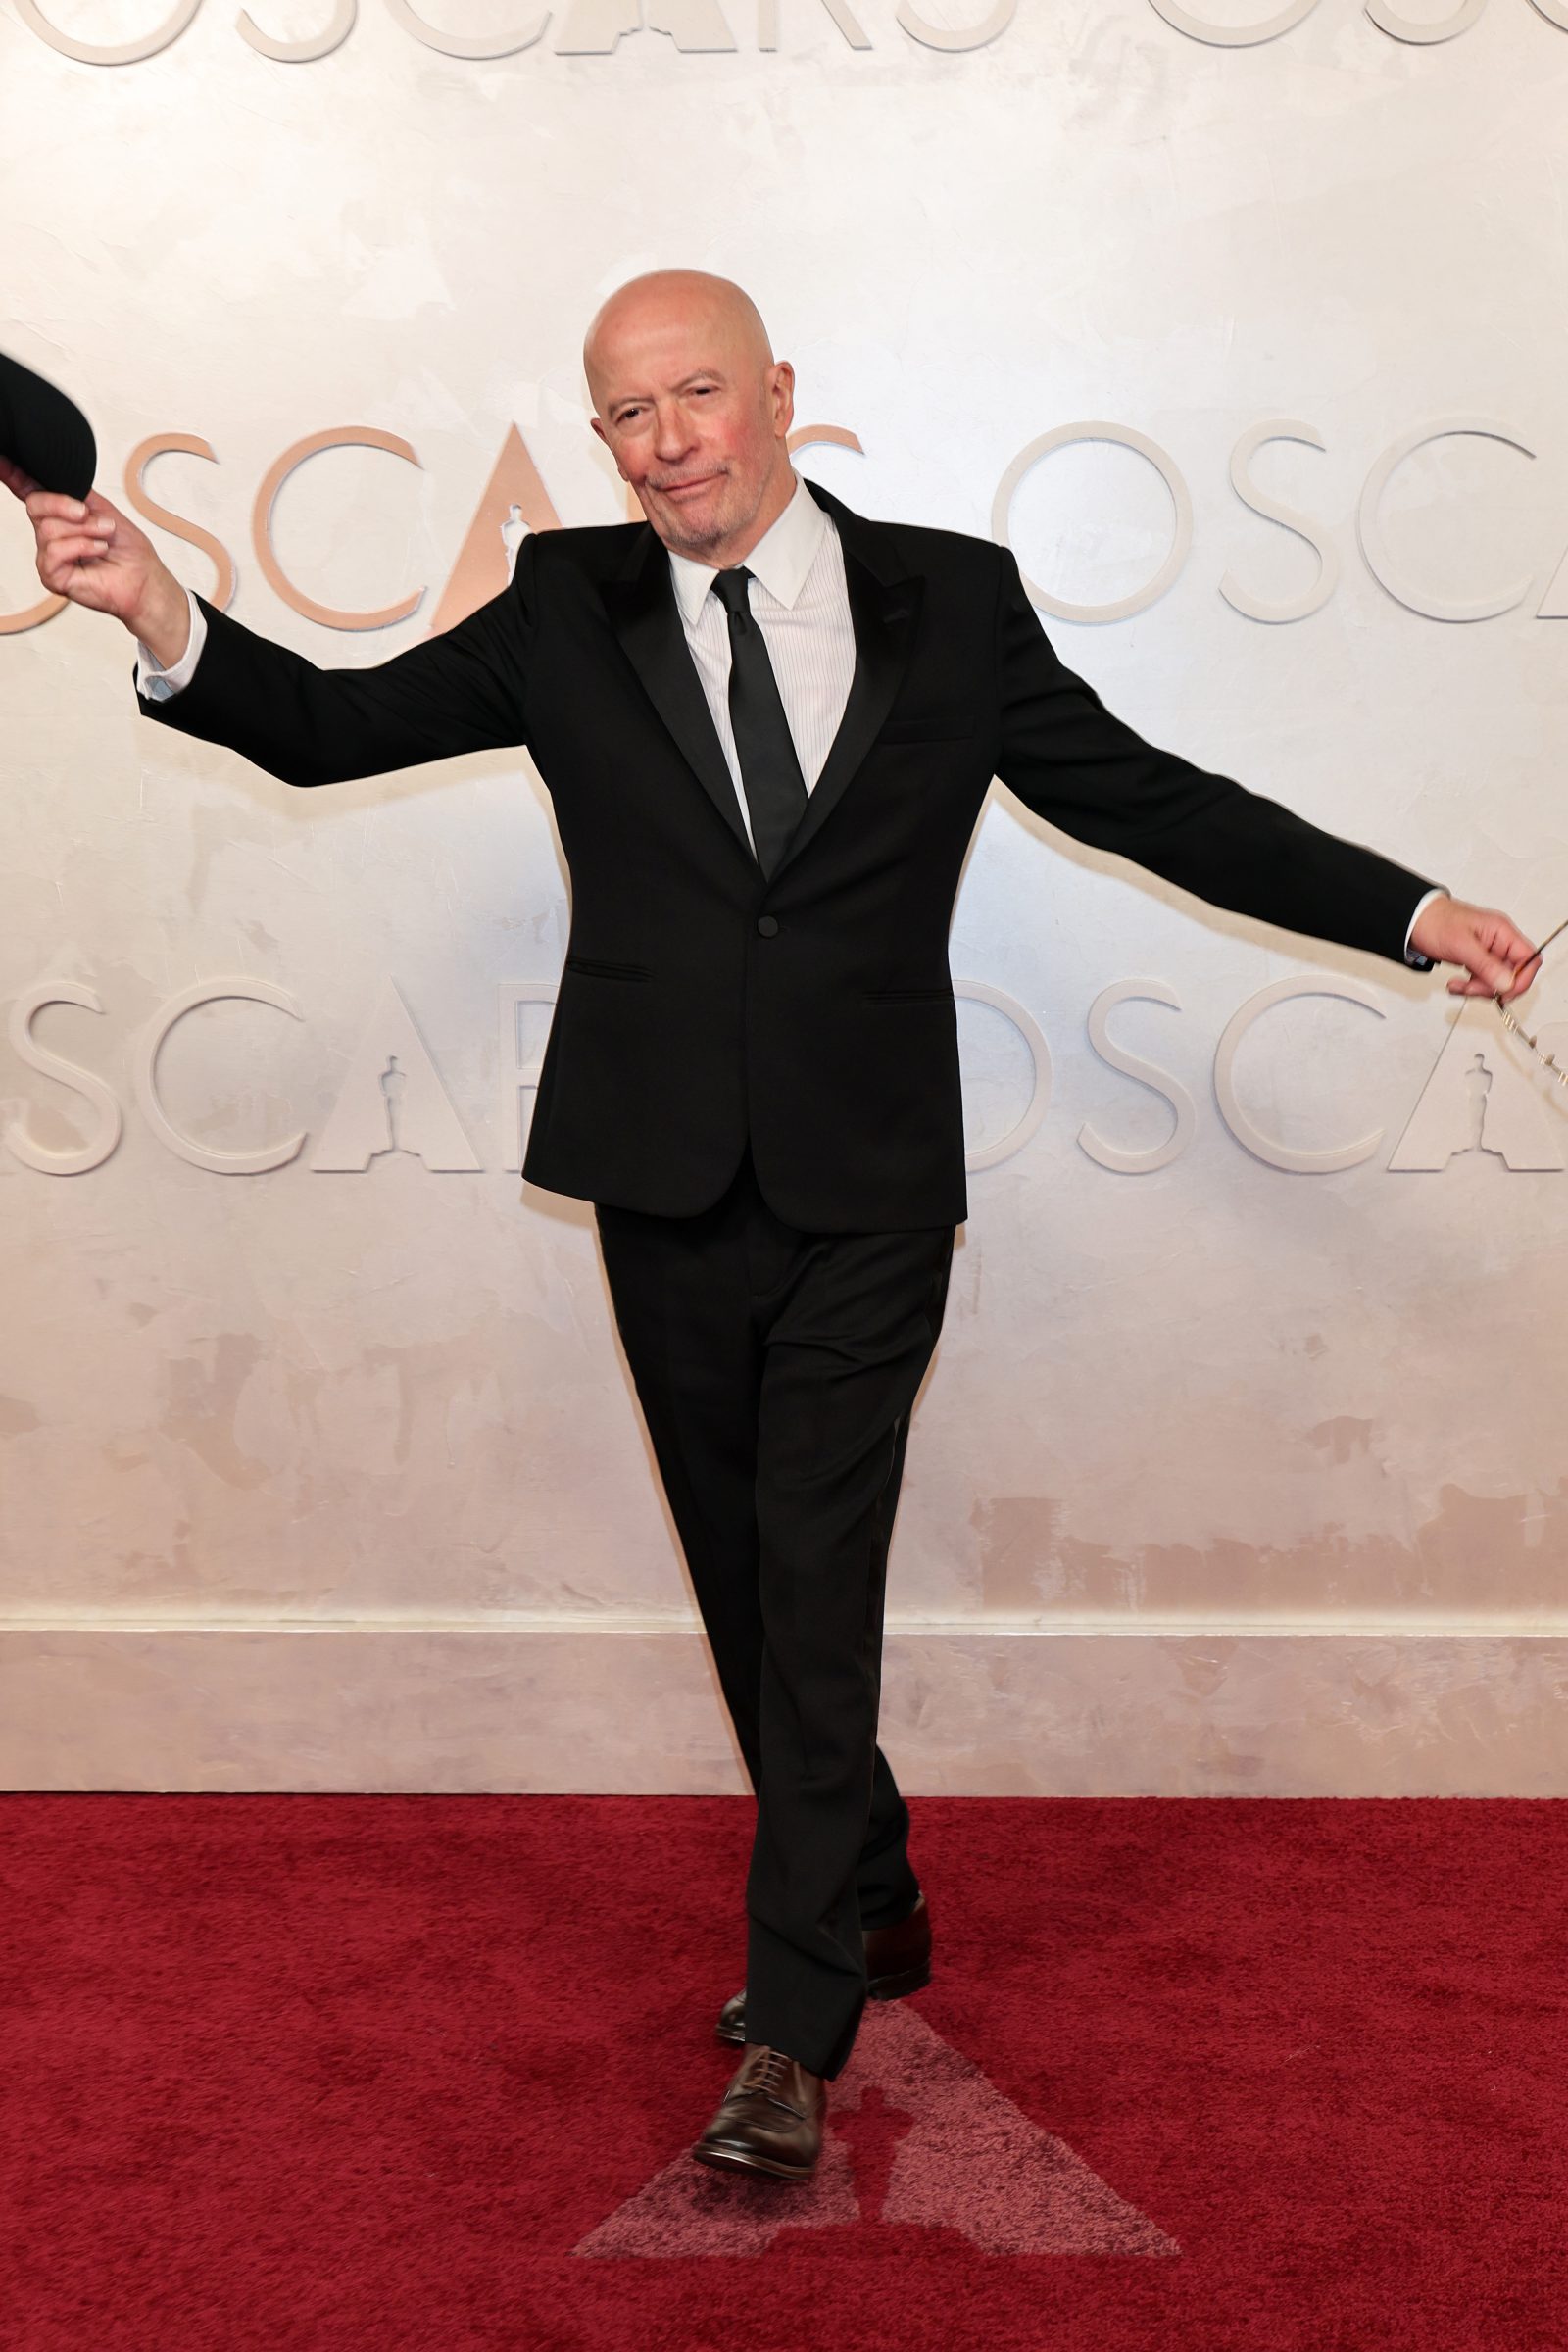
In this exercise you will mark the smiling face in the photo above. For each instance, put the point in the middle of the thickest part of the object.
(695, 410)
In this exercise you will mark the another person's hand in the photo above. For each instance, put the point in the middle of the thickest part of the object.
(92, 552)
(1498, 959)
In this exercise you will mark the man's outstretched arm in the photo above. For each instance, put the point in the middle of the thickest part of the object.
(463, 691)
(1074, 762)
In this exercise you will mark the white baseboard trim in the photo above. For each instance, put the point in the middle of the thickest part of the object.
(1193, 1708)
(1104, 1625)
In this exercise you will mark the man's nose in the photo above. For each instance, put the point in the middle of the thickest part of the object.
(673, 435)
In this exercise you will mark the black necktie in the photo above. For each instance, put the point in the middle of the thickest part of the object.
(775, 788)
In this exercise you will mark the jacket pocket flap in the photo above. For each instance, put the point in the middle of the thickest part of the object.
(928, 726)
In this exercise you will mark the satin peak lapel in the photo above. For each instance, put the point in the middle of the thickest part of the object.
(884, 614)
(647, 620)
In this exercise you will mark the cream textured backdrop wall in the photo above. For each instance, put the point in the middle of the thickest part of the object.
(1228, 1476)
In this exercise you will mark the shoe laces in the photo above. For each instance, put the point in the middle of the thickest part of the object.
(766, 2072)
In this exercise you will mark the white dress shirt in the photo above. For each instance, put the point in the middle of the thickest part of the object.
(801, 602)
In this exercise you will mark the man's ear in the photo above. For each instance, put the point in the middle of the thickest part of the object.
(783, 396)
(598, 426)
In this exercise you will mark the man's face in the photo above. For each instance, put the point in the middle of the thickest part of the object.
(696, 416)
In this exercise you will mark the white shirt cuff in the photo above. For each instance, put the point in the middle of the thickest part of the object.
(1423, 963)
(157, 684)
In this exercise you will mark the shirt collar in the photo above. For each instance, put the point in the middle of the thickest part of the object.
(781, 558)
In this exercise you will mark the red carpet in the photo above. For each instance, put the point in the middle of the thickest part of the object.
(418, 2074)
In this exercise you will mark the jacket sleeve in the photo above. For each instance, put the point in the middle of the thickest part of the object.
(464, 691)
(1072, 762)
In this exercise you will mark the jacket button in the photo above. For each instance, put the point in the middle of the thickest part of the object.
(767, 925)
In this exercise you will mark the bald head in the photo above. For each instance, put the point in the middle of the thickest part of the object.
(694, 407)
(690, 301)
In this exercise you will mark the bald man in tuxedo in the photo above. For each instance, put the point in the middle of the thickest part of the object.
(768, 725)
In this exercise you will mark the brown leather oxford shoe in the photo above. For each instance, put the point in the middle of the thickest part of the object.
(770, 2119)
(898, 1960)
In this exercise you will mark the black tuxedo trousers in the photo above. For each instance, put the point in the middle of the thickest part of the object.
(777, 1371)
(756, 1081)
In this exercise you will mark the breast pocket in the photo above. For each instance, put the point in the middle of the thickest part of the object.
(928, 726)
(594, 967)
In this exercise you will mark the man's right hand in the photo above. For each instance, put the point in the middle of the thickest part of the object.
(92, 554)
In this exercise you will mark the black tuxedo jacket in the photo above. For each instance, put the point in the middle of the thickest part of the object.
(814, 1013)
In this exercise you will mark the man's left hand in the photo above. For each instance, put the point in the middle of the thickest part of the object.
(1498, 959)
